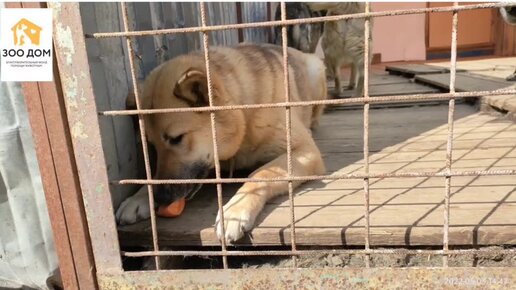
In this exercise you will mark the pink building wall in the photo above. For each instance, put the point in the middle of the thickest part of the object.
(399, 38)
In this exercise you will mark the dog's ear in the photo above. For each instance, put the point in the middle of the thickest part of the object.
(192, 87)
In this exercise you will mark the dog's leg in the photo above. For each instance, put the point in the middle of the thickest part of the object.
(135, 208)
(338, 86)
(317, 112)
(330, 74)
(243, 208)
(352, 78)
(359, 67)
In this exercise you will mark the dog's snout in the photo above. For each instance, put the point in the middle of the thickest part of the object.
(167, 193)
(162, 194)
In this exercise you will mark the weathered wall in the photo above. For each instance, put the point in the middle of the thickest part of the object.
(399, 38)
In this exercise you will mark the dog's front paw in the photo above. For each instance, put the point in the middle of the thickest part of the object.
(239, 216)
(134, 209)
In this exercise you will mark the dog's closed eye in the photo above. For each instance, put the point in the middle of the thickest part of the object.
(173, 140)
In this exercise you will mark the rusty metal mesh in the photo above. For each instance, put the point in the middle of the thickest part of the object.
(366, 100)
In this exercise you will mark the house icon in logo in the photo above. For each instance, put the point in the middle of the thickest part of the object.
(24, 29)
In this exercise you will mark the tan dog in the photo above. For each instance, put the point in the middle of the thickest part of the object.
(251, 138)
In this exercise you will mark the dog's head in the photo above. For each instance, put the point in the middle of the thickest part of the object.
(183, 141)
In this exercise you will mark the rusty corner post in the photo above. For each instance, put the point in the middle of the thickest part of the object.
(56, 162)
(72, 59)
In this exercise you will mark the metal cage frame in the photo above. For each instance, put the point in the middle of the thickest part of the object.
(84, 133)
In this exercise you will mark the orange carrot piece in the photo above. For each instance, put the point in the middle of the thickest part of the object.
(174, 209)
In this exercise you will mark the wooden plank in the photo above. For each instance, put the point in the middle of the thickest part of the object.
(404, 211)
(407, 88)
(160, 41)
(412, 69)
(377, 79)
(464, 82)
(400, 216)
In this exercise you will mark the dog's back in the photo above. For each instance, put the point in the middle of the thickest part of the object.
(253, 74)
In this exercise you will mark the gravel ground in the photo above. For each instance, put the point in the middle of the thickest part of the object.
(328, 260)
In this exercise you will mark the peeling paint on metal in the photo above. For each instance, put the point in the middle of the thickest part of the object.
(56, 6)
(72, 60)
(99, 188)
(70, 91)
(64, 39)
(83, 98)
(78, 131)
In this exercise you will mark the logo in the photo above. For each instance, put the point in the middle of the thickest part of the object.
(24, 29)
(26, 45)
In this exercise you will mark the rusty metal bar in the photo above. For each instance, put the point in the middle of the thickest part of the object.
(53, 194)
(65, 168)
(296, 21)
(367, 27)
(322, 252)
(449, 143)
(52, 107)
(216, 160)
(323, 177)
(72, 59)
(50, 180)
(141, 124)
(288, 129)
(348, 101)
(54, 152)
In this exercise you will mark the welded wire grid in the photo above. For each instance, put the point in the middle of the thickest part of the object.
(366, 100)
